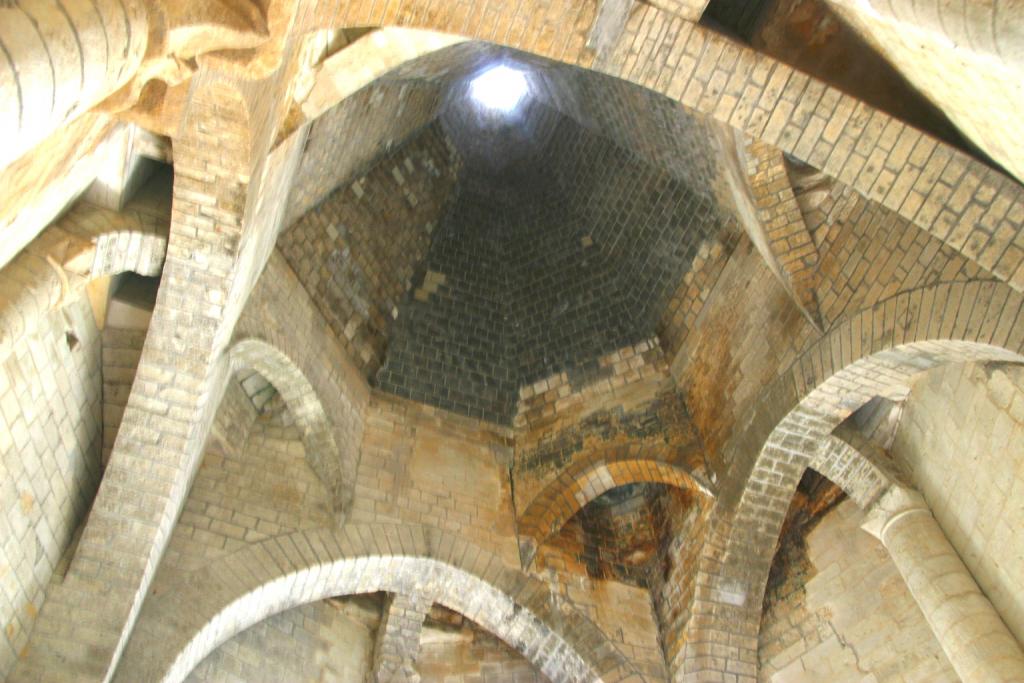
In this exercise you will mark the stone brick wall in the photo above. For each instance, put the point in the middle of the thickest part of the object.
(318, 642)
(590, 469)
(749, 331)
(210, 261)
(451, 343)
(674, 578)
(122, 349)
(621, 533)
(785, 387)
(423, 465)
(882, 158)
(648, 222)
(628, 559)
(180, 627)
(875, 353)
(782, 235)
(351, 136)
(840, 611)
(357, 251)
(50, 460)
(567, 305)
(233, 420)
(624, 612)
(652, 127)
(253, 483)
(413, 460)
(687, 302)
(455, 650)
(960, 439)
(87, 243)
(751, 374)
(58, 373)
(230, 503)
(397, 644)
(533, 275)
(411, 456)
(867, 254)
(626, 409)
(613, 598)
(626, 615)
(281, 313)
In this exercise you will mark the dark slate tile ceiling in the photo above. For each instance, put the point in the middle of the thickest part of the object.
(570, 225)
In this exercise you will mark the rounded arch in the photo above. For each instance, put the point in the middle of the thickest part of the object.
(180, 627)
(856, 465)
(367, 59)
(305, 407)
(88, 243)
(300, 334)
(874, 353)
(577, 486)
(848, 467)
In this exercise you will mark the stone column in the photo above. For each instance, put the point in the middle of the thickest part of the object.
(398, 640)
(974, 637)
(59, 58)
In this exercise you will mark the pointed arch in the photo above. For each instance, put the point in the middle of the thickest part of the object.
(305, 407)
(577, 486)
(874, 353)
(882, 158)
(180, 627)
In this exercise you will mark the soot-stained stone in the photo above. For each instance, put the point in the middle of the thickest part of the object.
(541, 267)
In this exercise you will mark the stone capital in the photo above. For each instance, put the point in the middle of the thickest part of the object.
(895, 504)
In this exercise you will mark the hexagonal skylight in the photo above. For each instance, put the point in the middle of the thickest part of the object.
(500, 88)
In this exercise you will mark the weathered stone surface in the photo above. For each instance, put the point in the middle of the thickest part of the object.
(523, 365)
(974, 638)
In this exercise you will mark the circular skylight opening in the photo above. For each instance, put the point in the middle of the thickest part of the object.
(500, 88)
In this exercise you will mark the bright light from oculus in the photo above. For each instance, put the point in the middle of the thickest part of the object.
(500, 88)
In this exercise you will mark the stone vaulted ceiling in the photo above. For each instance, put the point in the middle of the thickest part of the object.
(515, 245)
(702, 361)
